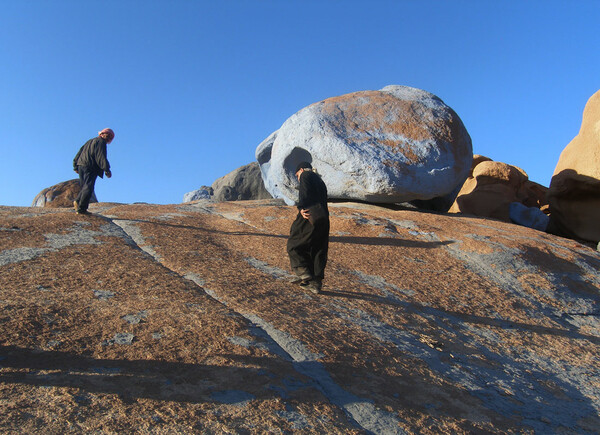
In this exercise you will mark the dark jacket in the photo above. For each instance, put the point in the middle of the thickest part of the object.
(93, 155)
(312, 190)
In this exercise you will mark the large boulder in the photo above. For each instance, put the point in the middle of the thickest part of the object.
(60, 195)
(245, 183)
(574, 193)
(394, 145)
(492, 187)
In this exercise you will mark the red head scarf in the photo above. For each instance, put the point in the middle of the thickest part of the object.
(109, 132)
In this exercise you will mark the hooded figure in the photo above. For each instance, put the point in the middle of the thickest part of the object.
(308, 243)
(91, 162)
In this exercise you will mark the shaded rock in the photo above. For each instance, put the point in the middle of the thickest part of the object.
(245, 183)
(574, 193)
(60, 195)
(531, 217)
(205, 192)
(394, 145)
(492, 187)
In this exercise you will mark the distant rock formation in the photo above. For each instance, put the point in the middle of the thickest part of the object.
(491, 188)
(245, 183)
(574, 193)
(394, 145)
(60, 195)
(205, 192)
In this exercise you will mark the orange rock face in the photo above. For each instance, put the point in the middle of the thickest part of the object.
(574, 193)
(180, 319)
(60, 195)
(492, 186)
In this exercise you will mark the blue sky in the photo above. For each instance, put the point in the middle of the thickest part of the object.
(192, 87)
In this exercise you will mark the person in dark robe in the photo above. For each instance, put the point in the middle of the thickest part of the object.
(91, 163)
(308, 242)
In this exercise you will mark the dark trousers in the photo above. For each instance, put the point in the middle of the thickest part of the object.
(307, 246)
(87, 181)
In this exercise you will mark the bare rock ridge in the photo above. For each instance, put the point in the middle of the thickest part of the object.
(179, 319)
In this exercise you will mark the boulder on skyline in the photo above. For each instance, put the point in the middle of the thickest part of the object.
(244, 183)
(492, 187)
(60, 195)
(394, 145)
(574, 193)
(205, 192)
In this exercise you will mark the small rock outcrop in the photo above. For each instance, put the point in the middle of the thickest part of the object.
(60, 195)
(245, 183)
(492, 187)
(394, 145)
(574, 193)
(205, 192)
(531, 217)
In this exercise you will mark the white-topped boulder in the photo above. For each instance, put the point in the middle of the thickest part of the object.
(394, 145)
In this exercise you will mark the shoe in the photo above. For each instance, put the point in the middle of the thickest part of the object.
(76, 205)
(83, 212)
(302, 279)
(314, 286)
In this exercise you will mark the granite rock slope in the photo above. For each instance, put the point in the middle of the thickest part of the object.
(394, 145)
(179, 319)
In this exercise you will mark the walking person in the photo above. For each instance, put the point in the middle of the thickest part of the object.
(91, 162)
(309, 235)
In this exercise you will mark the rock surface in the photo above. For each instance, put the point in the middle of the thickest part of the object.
(245, 183)
(60, 195)
(492, 187)
(205, 192)
(531, 217)
(574, 193)
(179, 319)
(390, 146)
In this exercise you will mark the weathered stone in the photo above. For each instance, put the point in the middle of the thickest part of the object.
(531, 217)
(60, 195)
(492, 187)
(394, 145)
(428, 323)
(205, 192)
(245, 183)
(574, 193)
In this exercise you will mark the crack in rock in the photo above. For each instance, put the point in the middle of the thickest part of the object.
(361, 410)
(135, 234)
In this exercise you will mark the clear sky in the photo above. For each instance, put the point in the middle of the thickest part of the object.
(192, 87)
